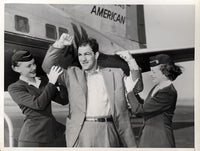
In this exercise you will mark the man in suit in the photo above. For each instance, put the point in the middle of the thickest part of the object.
(98, 113)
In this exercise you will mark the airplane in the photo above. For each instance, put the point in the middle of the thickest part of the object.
(37, 26)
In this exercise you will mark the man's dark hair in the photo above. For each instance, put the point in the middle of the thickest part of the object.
(92, 43)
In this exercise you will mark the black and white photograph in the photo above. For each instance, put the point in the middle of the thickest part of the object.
(119, 75)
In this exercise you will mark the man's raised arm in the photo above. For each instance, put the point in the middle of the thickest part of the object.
(135, 72)
(53, 54)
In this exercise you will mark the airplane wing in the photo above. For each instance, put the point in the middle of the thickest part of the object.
(111, 42)
(141, 55)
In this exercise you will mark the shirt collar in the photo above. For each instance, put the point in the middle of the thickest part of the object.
(93, 72)
(35, 84)
(164, 84)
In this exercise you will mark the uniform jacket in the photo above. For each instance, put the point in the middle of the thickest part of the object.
(158, 112)
(39, 125)
(75, 81)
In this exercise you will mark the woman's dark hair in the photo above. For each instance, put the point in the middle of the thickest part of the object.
(171, 71)
(14, 63)
(92, 43)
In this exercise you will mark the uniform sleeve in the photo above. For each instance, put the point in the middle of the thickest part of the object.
(136, 107)
(161, 102)
(21, 96)
(61, 95)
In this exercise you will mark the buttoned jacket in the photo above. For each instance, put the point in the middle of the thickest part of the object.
(158, 111)
(39, 125)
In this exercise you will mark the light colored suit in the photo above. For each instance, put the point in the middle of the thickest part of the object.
(75, 81)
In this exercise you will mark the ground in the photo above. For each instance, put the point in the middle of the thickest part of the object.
(183, 123)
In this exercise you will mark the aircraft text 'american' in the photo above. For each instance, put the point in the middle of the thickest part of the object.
(108, 14)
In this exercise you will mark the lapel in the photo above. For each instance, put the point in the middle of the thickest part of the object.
(82, 81)
(108, 76)
(81, 78)
(150, 93)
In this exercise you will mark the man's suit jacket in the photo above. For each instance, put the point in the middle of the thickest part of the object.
(158, 112)
(75, 81)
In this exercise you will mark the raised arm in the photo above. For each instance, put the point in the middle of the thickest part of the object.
(157, 104)
(134, 69)
(22, 96)
(54, 52)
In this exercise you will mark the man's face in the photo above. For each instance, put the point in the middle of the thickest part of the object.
(27, 69)
(87, 58)
(157, 75)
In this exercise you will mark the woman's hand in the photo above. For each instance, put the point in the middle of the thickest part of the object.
(54, 74)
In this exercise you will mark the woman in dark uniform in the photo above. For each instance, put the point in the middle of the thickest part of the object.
(159, 106)
(33, 95)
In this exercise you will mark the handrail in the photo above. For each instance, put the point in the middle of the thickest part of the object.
(10, 130)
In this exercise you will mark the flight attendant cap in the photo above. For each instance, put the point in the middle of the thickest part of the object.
(21, 56)
(160, 59)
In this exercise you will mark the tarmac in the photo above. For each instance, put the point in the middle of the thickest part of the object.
(183, 123)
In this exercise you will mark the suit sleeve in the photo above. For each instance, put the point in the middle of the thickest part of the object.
(52, 58)
(21, 96)
(157, 104)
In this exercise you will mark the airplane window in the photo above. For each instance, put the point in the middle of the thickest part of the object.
(51, 31)
(62, 30)
(21, 24)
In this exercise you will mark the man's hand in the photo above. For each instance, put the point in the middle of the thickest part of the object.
(54, 73)
(129, 59)
(125, 55)
(65, 40)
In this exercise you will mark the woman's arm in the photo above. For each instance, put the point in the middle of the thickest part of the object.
(21, 96)
(136, 105)
(134, 70)
(61, 96)
(161, 102)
